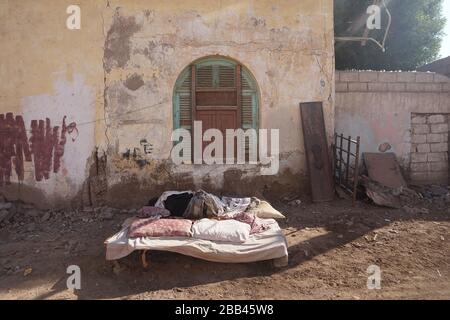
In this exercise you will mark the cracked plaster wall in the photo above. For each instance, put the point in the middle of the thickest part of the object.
(48, 71)
(115, 78)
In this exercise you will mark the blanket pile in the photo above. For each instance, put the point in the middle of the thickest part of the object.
(203, 215)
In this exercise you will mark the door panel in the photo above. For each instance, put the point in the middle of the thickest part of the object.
(217, 119)
(216, 98)
(227, 120)
(208, 119)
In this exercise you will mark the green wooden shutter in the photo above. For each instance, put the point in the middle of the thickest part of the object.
(249, 102)
(249, 106)
(205, 76)
(214, 74)
(182, 104)
(226, 76)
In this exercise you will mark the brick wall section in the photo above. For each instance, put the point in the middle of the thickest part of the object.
(376, 81)
(429, 153)
(412, 113)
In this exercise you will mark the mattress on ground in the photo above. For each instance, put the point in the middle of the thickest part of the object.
(270, 244)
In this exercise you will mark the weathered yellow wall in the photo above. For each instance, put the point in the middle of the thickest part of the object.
(49, 71)
(52, 71)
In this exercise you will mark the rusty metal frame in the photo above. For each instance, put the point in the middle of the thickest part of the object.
(346, 162)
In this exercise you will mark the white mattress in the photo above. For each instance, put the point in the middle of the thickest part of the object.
(270, 244)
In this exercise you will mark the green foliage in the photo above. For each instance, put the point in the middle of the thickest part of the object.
(414, 38)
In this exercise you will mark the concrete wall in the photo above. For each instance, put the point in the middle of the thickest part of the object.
(401, 109)
(82, 74)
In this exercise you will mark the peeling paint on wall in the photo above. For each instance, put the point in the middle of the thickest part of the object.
(134, 82)
(291, 60)
(115, 79)
(118, 44)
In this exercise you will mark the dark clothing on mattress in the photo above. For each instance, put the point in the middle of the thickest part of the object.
(177, 203)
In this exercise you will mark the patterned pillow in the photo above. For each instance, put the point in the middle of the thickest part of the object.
(151, 227)
(256, 224)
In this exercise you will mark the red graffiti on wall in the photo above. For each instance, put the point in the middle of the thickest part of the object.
(45, 146)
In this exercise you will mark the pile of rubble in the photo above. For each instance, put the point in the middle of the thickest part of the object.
(385, 186)
(28, 218)
(434, 194)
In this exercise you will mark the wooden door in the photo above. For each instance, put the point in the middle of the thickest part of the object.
(216, 99)
(217, 119)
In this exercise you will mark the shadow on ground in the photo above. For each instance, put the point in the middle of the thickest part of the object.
(341, 223)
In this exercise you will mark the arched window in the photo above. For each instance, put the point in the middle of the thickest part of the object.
(217, 91)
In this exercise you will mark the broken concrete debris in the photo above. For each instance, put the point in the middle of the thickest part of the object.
(384, 169)
(46, 216)
(388, 196)
(17, 214)
(413, 211)
(434, 192)
(295, 203)
(384, 147)
(3, 215)
(5, 205)
(385, 186)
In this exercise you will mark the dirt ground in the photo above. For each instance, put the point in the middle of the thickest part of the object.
(330, 248)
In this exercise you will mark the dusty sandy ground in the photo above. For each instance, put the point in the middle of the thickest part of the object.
(330, 247)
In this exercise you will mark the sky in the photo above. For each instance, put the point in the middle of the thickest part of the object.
(445, 47)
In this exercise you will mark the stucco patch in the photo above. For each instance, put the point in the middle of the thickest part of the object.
(134, 82)
(118, 44)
